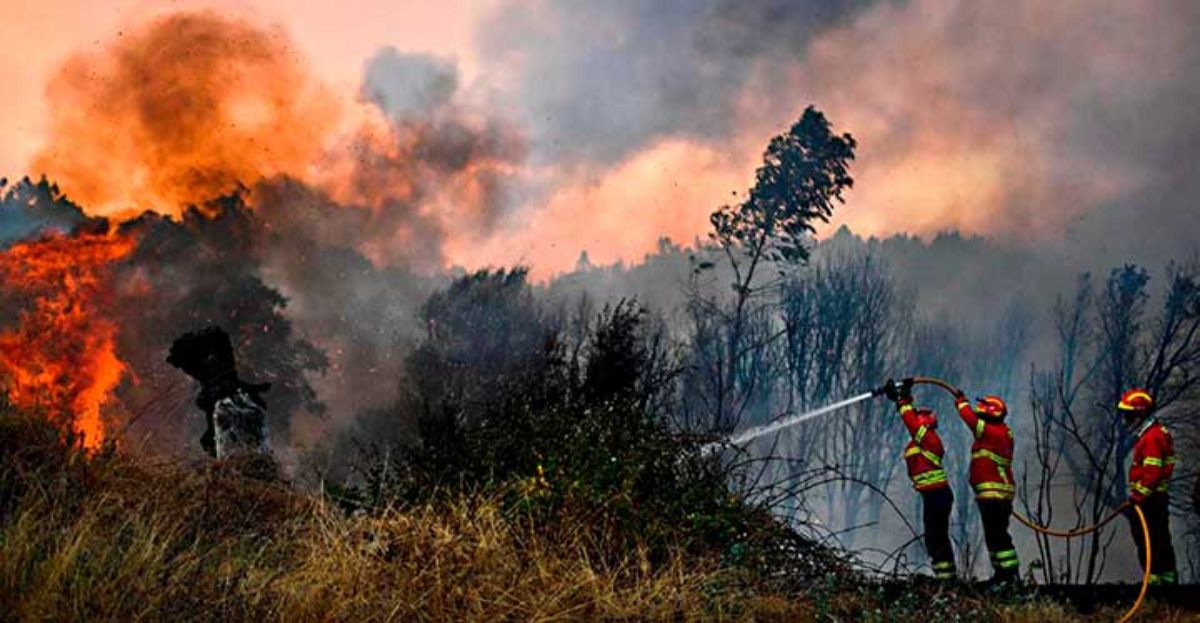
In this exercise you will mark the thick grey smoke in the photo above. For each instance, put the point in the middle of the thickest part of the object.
(598, 81)
(360, 313)
(1068, 123)
(404, 85)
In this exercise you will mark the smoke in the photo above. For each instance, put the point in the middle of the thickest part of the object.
(1009, 121)
(598, 82)
(305, 222)
(1061, 126)
(405, 85)
(392, 201)
(179, 110)
(191, 106)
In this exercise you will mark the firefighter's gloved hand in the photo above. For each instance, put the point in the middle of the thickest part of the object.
(959, 396)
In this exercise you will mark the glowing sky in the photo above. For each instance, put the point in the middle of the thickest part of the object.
(1009, 119)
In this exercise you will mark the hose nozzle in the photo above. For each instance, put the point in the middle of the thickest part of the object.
(892, 387)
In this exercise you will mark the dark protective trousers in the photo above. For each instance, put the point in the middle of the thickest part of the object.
(937, 504)
(1162, 553)
(995, 515)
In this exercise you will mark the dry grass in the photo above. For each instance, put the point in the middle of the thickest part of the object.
(465, 561)
(109, 540)
(168, 543)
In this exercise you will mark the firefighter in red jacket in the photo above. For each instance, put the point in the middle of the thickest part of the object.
(992, 478)
(923, 457)
(1149, 477)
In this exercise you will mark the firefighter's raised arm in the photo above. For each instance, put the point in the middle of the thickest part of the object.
(968, 415)
(900, 393)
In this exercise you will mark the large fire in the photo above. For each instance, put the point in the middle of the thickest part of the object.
(60, 357)
(177, 112)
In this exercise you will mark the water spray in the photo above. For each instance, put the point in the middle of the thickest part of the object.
(766, 429)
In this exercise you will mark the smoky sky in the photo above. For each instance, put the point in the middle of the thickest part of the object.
(1072, 122)
(598, 81)
(406, 84)
(1156, 127)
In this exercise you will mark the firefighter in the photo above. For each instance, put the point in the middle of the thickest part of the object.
(1149, 477)
(923, 457)
(992, 478)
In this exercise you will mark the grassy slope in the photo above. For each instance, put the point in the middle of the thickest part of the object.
(106, 539)
(209, 546)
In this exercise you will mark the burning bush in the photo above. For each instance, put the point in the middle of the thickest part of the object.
(58, 341)
(88, 309)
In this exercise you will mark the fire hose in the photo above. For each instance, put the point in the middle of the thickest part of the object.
(924, 380)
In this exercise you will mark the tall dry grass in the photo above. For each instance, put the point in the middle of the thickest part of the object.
(102, 538)
(168, 543)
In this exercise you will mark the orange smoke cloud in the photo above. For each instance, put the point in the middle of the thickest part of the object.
(970, 115)
(180, 110)
(421, 185)
(988, 118)
(191, 106)
(665, 191)
(60, 358)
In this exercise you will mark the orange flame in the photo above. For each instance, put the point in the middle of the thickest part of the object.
(60, 358)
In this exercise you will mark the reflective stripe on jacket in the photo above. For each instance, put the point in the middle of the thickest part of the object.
(1153, 461)
(923, 454)
(991, 455)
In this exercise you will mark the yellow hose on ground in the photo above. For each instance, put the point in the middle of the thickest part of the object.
(926, 380)
(1070, 533)
(1089, 529)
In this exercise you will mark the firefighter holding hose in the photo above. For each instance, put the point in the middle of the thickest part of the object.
(923, 458)
(992, 478)
(1149, 477)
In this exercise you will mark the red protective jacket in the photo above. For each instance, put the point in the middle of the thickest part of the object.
(1153, 461)
(923, 454)
(991, 455)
